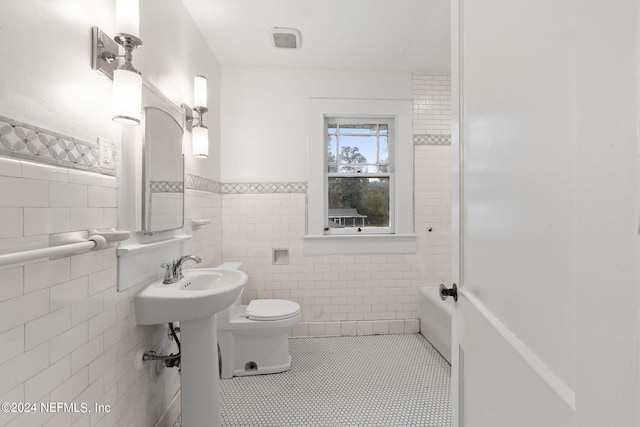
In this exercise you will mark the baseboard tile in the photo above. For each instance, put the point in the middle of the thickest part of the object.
(353, 328)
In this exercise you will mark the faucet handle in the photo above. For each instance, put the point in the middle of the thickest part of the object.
(168, 272)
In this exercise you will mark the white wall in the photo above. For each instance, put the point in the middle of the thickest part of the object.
(264, 122)
(67, 334)
(339, 294)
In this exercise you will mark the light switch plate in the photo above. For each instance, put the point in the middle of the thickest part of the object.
(106, 153)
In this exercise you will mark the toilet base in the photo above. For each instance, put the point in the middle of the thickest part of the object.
(245, 353)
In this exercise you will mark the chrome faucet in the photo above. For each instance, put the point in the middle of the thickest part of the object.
(173, 270)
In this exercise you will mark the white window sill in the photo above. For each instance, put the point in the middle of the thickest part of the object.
(360, 244)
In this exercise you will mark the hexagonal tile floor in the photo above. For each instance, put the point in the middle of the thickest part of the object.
(378, 380)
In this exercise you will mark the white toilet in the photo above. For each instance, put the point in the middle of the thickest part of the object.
(253, 339)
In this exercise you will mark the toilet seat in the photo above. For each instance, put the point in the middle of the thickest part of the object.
(271, 309)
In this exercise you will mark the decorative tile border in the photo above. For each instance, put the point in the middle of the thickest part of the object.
(431, 139)
(264, 187)
(166, 187)
(195, 182)
(32, 143)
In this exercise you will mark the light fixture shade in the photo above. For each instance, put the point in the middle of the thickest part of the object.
(200, 91)
(200, 141)
(127, 94)
(128, 17)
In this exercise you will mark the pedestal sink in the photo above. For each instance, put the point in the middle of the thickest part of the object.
(193, 301)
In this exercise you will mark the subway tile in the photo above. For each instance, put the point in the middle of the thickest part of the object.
(301, 330)
(23, 309)
(86, 263)
(71, 388)
(11, 283)
(85, 178)
(411, 326)
(12, 222)
(60, 419)
(396, 326)
(316, 329)
(102, 280)
(46, 327)
(68, 341)
(28, 419)
(35, 193)
(14, 395)
(68, 293)
(102, 364)
(86, 308)
(349, 328)
(365, 328)
(11, 343)
(98, 324)
(67, 195)
(102, 197)
(19, 192)
(115, 333)
(109, 181)
(23, 367)
(41, 384)
(83, 218)
(45, 274)
(86, 354)
(109, 217)
(10, 167)
(45, 221)
(44, 172)
(380, 327)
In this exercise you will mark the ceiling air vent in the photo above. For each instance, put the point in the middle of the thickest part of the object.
(285, 38)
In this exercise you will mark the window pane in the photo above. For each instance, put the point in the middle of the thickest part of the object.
(352, 168)
(370, 129)
(358, 149)
(332, 146)
(358, 202)
(332, 128)
(383, 129)
(384, 150)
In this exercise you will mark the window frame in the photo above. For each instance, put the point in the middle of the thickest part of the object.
(390, 122)
(403, 240)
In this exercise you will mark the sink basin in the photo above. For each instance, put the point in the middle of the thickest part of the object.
(201, 293)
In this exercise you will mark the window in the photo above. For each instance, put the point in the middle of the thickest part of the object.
(370, 188)
(359, 181)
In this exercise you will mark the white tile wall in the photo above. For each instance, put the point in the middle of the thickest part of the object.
(66, 335)
(352, 294)
(431, 103)
(206, 240)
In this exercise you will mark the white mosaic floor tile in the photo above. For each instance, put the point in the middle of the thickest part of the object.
(381, 380)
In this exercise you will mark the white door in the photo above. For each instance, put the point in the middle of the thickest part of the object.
(545, 106)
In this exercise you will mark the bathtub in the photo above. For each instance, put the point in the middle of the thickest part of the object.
(435, 320)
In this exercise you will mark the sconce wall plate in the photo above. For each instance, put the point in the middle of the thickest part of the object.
(188, 117)
(104, 51)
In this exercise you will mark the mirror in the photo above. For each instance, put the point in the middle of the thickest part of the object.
(162, 171)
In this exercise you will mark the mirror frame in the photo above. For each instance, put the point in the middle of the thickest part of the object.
(157, 104)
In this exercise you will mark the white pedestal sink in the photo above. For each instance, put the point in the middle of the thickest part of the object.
(194, 301)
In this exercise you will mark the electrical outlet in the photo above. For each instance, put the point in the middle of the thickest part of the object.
(106, 153)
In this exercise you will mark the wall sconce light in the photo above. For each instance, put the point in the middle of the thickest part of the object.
(127, 81)
(199, 132)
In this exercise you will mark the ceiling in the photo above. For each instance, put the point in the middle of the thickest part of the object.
(388, 35)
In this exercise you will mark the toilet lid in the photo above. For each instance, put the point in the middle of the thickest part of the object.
(272, 309)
